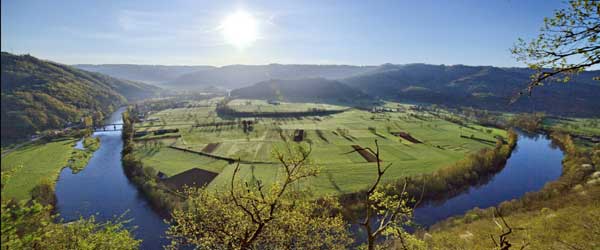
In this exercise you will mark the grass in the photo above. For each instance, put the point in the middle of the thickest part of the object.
(38, 161)
(570, 219)
(34, 163)
(331, 138)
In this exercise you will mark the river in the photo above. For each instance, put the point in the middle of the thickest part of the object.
(102, 188)
(534, 162)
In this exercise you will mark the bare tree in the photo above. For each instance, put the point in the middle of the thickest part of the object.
(503, 243)
(384, 213)
(252, 215)
(261, 206)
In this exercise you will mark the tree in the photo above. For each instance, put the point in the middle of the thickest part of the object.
(568, 43)
(387, 214)
(88, 122)
(251, 215)
(29, 225)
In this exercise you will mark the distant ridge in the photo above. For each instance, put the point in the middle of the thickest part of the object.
(484, 87)
(311, 89)
(154, 74)
(236, 76)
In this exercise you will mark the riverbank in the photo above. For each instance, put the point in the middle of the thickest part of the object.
(446, 182)
(162, 199)
(451, 185)
(568, 204)
(103, 190)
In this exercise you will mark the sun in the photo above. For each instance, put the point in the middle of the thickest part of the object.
(239, 29)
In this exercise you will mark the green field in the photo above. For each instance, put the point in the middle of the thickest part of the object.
(32, 164)
(331, 138)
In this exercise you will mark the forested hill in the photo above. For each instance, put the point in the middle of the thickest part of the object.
(154, 74)
(237, 76)
(39, 95)
(480, 86)
(311, 89)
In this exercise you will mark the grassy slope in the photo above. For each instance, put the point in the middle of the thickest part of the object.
(38, 161)
(573, 219)
(341, 172)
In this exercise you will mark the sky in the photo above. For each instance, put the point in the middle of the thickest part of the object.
(289, 32)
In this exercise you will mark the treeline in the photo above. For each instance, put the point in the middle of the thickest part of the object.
(225, 111)
(171, 102)
(145, 178)
(448, 181)
(530, 122)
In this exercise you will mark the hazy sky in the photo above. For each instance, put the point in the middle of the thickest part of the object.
(316, 32)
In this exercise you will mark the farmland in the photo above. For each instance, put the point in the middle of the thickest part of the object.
(415, 141)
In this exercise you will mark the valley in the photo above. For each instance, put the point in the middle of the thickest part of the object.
(459, 158)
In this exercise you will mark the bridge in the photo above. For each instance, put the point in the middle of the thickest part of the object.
(109, 127)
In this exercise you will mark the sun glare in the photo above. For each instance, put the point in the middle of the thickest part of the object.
(239, 29)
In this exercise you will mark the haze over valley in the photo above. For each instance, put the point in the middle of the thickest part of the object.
(414, 125)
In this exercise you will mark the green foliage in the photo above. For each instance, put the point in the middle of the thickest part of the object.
(23, 225)
(568, 43)
(251, 214)
(29, 226)
(144, 177)
(44, 192)
(80, 158)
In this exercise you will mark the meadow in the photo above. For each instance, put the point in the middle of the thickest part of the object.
(438, 142)
(33, 164)
(41, 162)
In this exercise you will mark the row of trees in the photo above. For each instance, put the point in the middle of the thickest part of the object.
(145, 178)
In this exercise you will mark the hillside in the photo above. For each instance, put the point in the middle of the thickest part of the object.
(39, 95)
(313, 89)
(479, 86)
(154, 74)
(236, 76)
